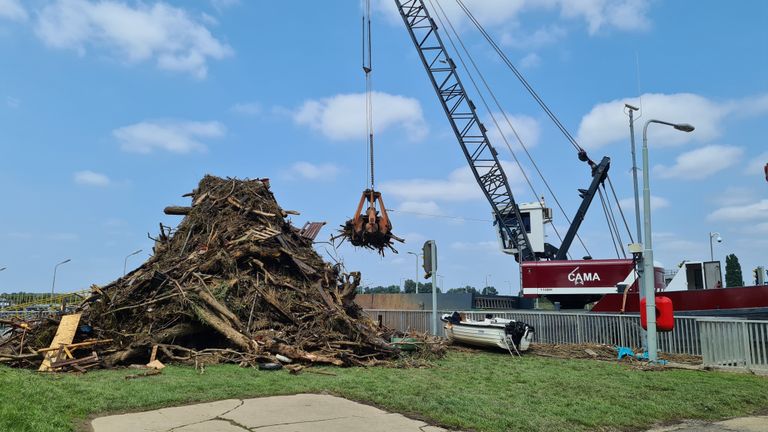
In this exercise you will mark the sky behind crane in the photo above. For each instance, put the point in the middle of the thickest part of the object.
(109, 111)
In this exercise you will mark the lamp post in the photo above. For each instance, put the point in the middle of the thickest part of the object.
(649, 279)
(486, 280)
(53, 285)
(125, 262)
(713, 235)
(416, 280)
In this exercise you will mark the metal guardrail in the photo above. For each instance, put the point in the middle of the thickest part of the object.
(735, 344)
(726, 343)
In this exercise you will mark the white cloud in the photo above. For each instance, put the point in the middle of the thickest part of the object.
(459, 186)
(527, 129)
(533, 40)
(628, 204)
(607, 122)
(742, 213)
(761, 228)
(756, 165)
(627, 15)
(12, 10)
(220, 5)
(175, 137)
(530, 61)
(342, 117)
(90, 178)
(421, 208)
(160, 32)
(247, 108)
(733, 196)
(310, 171)
(701, 163)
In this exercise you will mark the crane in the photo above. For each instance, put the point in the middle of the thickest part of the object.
(513, 224)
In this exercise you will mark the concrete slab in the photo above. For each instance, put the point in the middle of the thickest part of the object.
(742, 424)
(165, 419)
(746, 424)
(296, 413)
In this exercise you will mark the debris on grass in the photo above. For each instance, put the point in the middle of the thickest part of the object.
(234, 282)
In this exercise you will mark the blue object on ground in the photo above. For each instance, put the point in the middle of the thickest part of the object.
(624, 352)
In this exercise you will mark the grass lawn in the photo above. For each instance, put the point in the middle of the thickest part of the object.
(468, 391)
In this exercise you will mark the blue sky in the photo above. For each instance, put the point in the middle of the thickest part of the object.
(111, 110)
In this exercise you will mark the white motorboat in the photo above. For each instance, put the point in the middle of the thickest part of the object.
(491, 332)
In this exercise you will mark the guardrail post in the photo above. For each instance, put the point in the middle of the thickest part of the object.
(746, 341)
(578, 329)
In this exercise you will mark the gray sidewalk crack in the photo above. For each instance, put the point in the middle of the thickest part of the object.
(299, 422)
(217, 417)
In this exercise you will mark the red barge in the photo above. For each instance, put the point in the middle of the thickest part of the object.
(611, 287)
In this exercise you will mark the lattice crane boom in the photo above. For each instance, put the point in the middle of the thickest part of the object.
(469, 130)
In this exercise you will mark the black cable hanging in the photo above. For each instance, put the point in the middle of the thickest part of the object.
(614, 223)
(618, 204)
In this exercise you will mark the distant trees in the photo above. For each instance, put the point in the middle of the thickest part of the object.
(410, 287)
(391, 289)
(733, 276)
(466, 289)
(490, 291)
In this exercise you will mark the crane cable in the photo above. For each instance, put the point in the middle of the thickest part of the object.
(504, 114)
(520, 77)
(368, 68)
(535, 95)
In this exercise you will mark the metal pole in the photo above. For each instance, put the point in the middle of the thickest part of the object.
(53, 284)
(648, 272)
(634, 169)
(639, 267)
(711, 251)
(125, 262)
(434, 289)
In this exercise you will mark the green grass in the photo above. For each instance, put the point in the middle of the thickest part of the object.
(468, 391)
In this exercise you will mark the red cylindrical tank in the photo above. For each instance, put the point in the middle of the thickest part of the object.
(665, 317)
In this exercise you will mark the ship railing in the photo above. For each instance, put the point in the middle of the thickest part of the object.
(720, 342)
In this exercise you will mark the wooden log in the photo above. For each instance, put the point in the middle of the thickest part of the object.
(177, 210)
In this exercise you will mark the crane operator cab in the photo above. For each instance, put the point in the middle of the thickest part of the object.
(534, 215)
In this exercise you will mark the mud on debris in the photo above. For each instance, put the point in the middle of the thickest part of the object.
(235, 281)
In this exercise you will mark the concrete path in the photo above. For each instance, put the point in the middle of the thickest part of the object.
(742, 424)
(297, 413)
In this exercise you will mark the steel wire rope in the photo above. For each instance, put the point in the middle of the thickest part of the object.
(609, 207)
(368, 68)
(520, 77)
(618, 204)
(608, 222)
(506, 118)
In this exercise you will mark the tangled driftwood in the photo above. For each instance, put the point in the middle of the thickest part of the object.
(234, 281)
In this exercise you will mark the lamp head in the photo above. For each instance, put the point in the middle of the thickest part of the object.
(719, 239)
(685, 127)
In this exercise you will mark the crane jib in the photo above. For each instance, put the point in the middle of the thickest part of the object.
(470, 132)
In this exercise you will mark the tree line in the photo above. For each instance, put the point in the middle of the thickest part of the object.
(410, 288)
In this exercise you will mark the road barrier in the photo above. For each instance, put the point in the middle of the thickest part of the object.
(727, 343)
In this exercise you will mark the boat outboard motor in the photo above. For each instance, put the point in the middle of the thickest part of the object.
(455, 318)
(517, 330)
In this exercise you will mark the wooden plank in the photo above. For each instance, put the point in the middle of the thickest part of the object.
(65, 334)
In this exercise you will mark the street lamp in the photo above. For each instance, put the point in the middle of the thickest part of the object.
(716, 236)
(649, 279)
(125, 262)
(486, 280)
(53, 285)
(416, 281)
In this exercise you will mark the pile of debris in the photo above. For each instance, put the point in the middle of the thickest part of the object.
(234, 282)
(371, 229)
